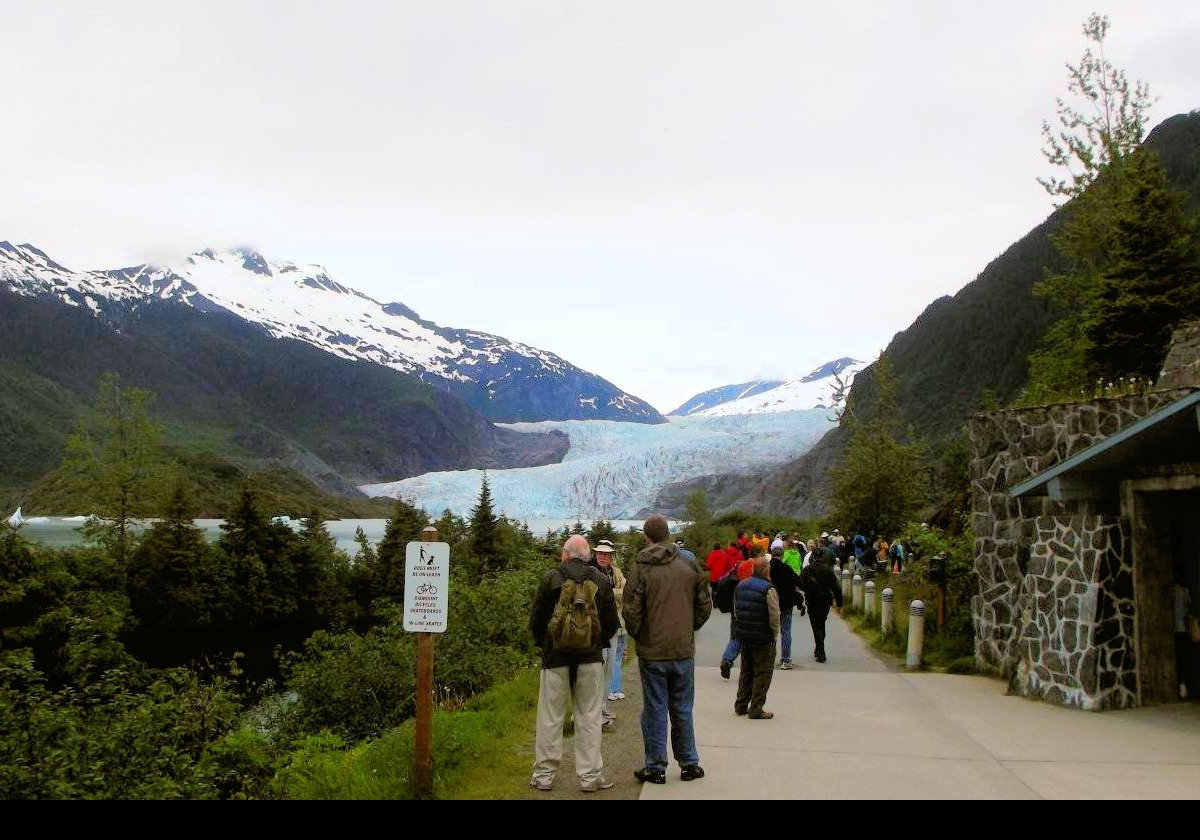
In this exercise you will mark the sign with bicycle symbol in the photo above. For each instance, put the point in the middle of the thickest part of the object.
(426, 587)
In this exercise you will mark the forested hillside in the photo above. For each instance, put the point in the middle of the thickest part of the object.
(225, 387)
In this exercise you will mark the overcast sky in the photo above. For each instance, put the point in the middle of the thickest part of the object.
(672, 195)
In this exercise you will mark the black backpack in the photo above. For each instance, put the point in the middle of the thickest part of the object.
(723, 597)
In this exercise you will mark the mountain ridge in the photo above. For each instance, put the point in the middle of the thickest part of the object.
(507, 381)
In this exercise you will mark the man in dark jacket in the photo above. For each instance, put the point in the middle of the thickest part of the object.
(787, 584)
(821, 590)
(756, 626)
(666, 601)
(566, 673)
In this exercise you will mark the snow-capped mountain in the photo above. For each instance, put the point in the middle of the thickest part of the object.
(816, 390)
(504, 380)
(720, 396)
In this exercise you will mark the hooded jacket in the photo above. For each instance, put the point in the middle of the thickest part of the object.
(666, 601)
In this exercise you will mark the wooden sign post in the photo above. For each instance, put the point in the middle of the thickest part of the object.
(426, 586)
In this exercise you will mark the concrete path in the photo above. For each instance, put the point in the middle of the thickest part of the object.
(858, 727)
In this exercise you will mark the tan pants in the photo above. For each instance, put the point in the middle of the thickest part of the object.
(553, 697)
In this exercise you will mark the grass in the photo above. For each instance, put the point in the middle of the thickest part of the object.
(944, 651)
(478, 750)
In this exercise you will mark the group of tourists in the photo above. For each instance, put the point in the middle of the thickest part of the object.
(581, 613)
(586, 609)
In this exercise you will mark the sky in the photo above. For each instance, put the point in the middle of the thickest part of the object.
(672, 195)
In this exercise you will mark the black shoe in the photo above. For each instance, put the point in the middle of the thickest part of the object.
(726, 665)
(738, 711)
(692, 771)
(654, 777)
(821, 658)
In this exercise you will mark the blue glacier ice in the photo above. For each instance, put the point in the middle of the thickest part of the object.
(614, 470)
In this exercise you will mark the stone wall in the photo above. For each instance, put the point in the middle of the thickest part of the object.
(1054, 611)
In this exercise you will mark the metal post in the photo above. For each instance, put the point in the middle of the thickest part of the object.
(423, 736)
(869, 598)
(916, 634)
(856, 587)
(886, 623)
(846, 575)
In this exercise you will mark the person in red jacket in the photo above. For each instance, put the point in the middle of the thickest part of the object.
(717, 564)
(744, 544)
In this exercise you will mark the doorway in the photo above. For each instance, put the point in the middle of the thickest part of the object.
(1166, 533)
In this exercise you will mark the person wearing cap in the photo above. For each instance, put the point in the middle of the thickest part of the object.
(666, 601)
(615, 653)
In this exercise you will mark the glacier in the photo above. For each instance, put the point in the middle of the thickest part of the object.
(614, 470)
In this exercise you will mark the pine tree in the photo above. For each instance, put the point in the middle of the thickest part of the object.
(1153, 282)
(883, 480)
(119, 468)
(405, 526)
(168, 579)
(484, 543)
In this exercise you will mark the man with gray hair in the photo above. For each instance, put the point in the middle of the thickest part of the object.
(666, 601)
(574, 615)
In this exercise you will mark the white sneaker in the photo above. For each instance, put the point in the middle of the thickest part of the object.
(614, 696)
(785, 666)
(541, 784)
(620, 695)
(602, 783)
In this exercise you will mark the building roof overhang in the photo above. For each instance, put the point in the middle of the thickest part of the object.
(1169, 435)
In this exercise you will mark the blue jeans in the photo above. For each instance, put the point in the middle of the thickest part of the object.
(616, 653)
(733, 648)
(668, 688)
(785, 635)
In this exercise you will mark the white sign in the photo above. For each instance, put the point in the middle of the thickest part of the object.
(426, 587)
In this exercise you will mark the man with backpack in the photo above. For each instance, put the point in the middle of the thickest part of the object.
(666, 601)
(574, 615)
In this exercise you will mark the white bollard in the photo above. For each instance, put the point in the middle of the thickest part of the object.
(857, 589)
(886, 624)
(846, 586)
(916, 634)
(869, 598)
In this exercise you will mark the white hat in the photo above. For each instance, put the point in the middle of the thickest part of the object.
(604, 547)
(824, 535)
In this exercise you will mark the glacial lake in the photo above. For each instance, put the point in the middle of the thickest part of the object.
(63, 531)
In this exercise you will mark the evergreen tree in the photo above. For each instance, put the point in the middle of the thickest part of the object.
(168, 581)
(883, 481)
(484, 543)
(1152, 283)
(601, 529)
(405, 526)
(699, 530)
(118, 467)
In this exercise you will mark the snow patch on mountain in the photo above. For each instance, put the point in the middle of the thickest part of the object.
(817, 390)
(504, 379)
(615, 470)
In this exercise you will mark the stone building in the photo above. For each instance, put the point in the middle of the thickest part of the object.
(1085, 517)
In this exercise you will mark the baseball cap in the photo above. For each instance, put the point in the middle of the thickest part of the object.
(604, 547)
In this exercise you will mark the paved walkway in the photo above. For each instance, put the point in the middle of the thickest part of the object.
(857, 727)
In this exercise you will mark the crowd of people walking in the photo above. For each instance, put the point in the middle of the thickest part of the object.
(586, 608)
